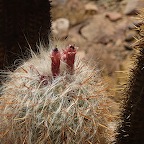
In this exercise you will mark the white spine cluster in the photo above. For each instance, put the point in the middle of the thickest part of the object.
(37, 108)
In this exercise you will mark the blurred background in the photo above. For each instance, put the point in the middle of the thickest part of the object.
(105, 32)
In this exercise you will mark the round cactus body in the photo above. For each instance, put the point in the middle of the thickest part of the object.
(55, 98)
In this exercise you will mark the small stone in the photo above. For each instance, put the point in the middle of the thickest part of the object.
(113, 16)
(61, 26)
(131, 7)
(91, 8)
(99, 30)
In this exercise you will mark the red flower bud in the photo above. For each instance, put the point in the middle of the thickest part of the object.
(55, 65)
(69, 57)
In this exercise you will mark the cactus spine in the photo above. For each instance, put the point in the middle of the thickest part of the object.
(40, 104)
(131, 128)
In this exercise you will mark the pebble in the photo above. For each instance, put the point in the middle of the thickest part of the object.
(131, 7)
(61, 26)
(98, 30)
(91, 8)
(113, 16)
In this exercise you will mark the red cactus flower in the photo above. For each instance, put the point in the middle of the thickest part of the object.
(55, 65)
(69, 57)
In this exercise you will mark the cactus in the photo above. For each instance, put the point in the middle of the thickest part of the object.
(131, 127)
(55, 98)
(22, 24)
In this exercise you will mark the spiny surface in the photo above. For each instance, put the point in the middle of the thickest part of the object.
(69, 108)
(131, 127)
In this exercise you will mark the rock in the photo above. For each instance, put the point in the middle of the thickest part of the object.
(60, 27)
(91, 8)
(99, 30)
(75, 37)
(131, 7)
(113, 16)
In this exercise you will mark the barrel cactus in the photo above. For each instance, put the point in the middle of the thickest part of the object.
(55, 97)
(131, 126)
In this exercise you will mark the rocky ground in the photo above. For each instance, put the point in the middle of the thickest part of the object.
(104, 31)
